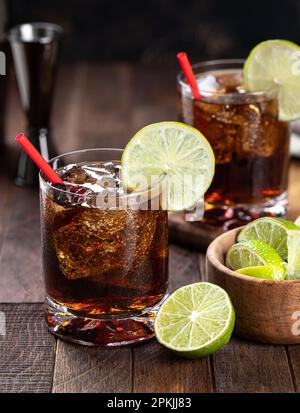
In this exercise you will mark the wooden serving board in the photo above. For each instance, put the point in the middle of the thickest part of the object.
(191, 234)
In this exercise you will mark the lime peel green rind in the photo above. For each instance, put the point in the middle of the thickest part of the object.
(269, 272)
(208, 331)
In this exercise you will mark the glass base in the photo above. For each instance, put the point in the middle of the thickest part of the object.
(113, 331)
(227, 217)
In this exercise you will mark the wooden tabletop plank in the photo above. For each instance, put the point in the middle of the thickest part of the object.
(183, 267)
(80, 369)
(156, 369)
(26, 351)
(294, 190)
(293, 353)
(247, 367)
(20, 261)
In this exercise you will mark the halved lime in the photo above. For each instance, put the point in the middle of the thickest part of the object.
(271, 230)
(293, 265)
(268, 272)
(252, 253)
(196, 320)
(174, 150)
(275, 64)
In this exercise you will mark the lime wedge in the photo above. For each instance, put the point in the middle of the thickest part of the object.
(252, 253)
(268, 272)
(271, 230)
(174, 150)
(297, 221)
(274, 64)
(196, 320)
(293, 265)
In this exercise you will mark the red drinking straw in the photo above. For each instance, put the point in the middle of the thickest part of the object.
(188, 73)
(38, 159)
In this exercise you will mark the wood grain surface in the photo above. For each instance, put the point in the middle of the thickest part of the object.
(100, 105)
(27, 350)
(247, 367)
(89, 370)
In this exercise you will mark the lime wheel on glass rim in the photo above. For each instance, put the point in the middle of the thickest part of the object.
(275, 65)
(173, 150)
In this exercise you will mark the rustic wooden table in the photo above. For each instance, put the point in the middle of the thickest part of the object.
(97, 106)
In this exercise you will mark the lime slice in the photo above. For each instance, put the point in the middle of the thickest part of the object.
(293, 265)
(252, 253)
(268, 272)
(274, 64)
(174, 150)
(271, 230)
(196, 320)
(297, 221)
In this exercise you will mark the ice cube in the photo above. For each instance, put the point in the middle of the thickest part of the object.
(208, 83)
(82, 182)
(96, 242)
(258, 132)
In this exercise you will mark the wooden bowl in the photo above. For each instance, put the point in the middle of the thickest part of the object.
(266, 311)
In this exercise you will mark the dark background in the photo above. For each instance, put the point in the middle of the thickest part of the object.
(154, 30)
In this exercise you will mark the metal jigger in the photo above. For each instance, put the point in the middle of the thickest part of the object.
(35, 49)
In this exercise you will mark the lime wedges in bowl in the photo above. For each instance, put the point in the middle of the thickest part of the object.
(252, 253)
(271, 230)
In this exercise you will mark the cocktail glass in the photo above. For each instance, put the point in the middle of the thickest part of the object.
(105, 251)
(250, 143)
